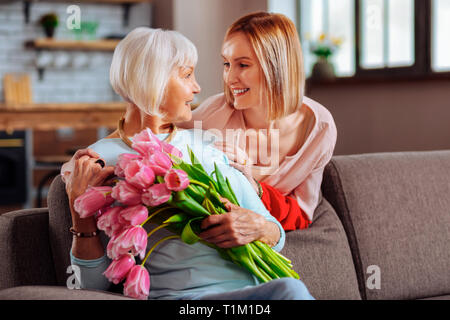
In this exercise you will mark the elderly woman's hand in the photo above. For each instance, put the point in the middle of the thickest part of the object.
(67, 168)
(237, 227)
(86, 172)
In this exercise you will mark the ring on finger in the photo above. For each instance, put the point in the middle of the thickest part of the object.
(101, 163)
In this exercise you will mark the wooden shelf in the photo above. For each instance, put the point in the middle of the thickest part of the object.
(95, 1)
(66, 107)
(61, 44)
(51, 116)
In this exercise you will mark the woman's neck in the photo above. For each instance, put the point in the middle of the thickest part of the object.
(136, 121)
(255, 119)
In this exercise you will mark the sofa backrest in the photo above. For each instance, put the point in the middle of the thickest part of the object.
(395, 208)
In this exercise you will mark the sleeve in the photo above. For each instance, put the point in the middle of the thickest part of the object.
(284, 208)
(91, 272)
(248, 199)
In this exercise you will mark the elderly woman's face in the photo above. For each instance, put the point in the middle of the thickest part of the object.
(180, 92)
(242, 73)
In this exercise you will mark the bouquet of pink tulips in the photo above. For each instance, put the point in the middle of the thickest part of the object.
(157, 185)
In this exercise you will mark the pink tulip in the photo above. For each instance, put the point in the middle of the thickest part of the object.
(139, 175)
(138, 283)
(156, 195)
(159, 162)
(133, 216)
(122, 161)
(168, 148)
(126, 193)
(93, 200)
(118, 269)
(108, 221)
(146, 142)
(176, 180)
(133, 239)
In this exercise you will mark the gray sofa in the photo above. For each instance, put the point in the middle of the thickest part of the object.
(381, 231)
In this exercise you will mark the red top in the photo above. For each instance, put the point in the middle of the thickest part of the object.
(285, 209)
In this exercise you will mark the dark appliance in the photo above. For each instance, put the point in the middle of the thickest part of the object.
(13, 168)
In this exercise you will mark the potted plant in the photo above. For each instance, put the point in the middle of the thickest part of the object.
(323, 48)
(49, 22)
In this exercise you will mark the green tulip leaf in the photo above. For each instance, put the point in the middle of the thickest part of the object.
(177, 218)
(188, 235)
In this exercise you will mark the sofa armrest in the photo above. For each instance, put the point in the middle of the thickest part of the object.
(25, 250)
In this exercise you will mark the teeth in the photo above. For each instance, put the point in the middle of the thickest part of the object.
(238, 91)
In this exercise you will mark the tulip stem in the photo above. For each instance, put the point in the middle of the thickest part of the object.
(155, 245)
(157, 228)
(199, 184)
(154, 214)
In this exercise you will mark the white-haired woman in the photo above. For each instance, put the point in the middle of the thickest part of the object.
(153, 70)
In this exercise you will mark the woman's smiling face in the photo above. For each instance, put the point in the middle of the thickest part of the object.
(180, 92)
(242, 73)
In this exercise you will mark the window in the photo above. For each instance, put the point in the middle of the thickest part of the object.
(441, 35)
(387, 33)
(336, 20)
(379, 37)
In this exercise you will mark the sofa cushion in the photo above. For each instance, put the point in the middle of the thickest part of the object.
(395, 208)
(321, 256)
(56, 293)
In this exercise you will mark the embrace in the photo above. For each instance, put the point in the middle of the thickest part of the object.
(154, 71)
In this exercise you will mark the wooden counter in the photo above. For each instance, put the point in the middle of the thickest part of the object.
(50, 116)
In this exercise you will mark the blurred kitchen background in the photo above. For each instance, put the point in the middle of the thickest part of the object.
(381, 67)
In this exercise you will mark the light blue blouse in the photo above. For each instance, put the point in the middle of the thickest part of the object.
(178, 270)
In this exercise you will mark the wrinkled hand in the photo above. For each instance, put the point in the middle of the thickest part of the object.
(239, 160)
(237, 227)
(86, 172)
(67, 168)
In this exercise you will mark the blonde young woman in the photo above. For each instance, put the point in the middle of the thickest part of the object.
(153, 70)
(284, 139)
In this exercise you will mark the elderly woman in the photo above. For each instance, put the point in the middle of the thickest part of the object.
(153, 70)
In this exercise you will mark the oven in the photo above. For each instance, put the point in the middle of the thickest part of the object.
(13, 168)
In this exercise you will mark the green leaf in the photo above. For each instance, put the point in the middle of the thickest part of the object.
(177, 218)
(208, 205)
(224, 186)
(181, 200)
(194, 161)
(188, 235)
(235, 201)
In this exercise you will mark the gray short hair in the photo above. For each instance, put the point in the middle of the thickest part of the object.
(143, 63)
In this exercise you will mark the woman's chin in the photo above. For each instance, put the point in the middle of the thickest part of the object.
(184, 117)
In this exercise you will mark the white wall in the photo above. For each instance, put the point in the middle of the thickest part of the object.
(205, 22)
(67, 84)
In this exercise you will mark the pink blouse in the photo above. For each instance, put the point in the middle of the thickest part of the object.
(298, 175)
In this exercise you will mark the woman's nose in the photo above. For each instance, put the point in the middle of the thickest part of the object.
(230, 77)
(196, 89)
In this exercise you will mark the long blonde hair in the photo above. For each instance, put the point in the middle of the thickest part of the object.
(275, 41)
